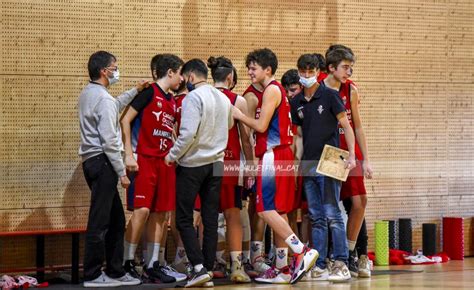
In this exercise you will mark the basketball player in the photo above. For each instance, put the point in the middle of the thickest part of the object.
(254, 263)
(274, 138)
(153, 117)
(231, 193)
(291, 82)
(353, 193)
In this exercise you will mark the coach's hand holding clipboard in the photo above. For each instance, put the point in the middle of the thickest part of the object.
(335, 163)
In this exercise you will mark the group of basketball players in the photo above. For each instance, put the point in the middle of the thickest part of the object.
(273, 134)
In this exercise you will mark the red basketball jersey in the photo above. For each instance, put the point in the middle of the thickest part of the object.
(156, 124)
(259, 95)
(179, 104)
(232, 152)
(279, 131)
(345, 94)
(322, 75)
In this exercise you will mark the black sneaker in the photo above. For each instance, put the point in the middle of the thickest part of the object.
(157, 273)
(149, 279)
(130, 268)
(353, 264)
(198, 279)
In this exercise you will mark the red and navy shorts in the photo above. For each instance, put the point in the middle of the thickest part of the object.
(231, 196)
(276, 181)
(354, 185)
(153, 186)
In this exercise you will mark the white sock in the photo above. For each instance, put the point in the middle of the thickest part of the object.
(129, 251)
(295, 244)
(219, 256)
(245, 256)
(352, 245)
(161, 256)
(256, 249)
(281, 258)
(180, 255)
(236, 257)
(153, 250)
(198, 267)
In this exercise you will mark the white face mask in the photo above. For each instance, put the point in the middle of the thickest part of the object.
(115, 77)
(308, 82)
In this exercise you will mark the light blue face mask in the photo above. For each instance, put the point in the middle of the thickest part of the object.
(308, 82)
(115, 77)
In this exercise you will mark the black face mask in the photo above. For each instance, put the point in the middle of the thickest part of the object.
(189, 86)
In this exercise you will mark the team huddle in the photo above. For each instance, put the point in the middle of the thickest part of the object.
(201, 156)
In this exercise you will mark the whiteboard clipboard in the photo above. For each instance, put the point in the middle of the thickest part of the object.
(332, 163)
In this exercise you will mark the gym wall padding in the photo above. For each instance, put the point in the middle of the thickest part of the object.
(414, 73)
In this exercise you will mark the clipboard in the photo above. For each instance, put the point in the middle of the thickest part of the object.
(332, 163)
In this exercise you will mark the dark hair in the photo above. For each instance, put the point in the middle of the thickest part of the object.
(336, 56)
(97, 62)
(161, 63)
(235, 76)
(196, 66)
(308, 61)
(263, 57)
(290, 77)
(220, 67)
(322, 61)
(338, 46)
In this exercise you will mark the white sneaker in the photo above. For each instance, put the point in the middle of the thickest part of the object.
(198, 279)
(128, 280)
(275, 276)
(238, 275)
(170, 271)
(260, 266)
(208, 284)
(339, 272)
(302, 263)
(364, 267)
(318, 274)
(102, 281)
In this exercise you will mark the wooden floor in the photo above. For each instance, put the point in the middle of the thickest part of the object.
(451, 275)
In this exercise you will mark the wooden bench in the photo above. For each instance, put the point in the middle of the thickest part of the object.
(40, 242)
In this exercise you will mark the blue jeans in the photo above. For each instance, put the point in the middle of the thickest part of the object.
(322, 194)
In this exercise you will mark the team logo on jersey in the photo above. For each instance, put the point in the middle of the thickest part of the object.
(159, 104)
(157, 115)
(320, 109)
(281, 254)
(257, 113)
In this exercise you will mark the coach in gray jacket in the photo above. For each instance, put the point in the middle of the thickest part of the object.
(199, 152)
(101, 151)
